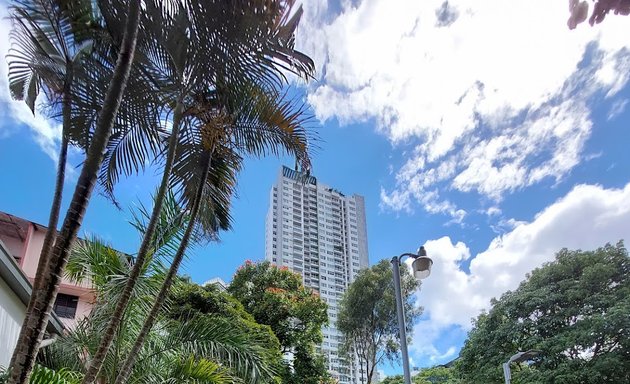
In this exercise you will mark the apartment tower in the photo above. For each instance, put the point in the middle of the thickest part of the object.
(320, 233)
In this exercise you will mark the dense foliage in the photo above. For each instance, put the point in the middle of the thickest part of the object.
(367, 315)
(436, 375)
(574, 310)
(296, 314)
(433, 375)
(189, 302)
(202, 346)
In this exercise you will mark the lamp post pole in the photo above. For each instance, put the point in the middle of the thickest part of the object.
(518, 357)
(401, 319)
(421, 268)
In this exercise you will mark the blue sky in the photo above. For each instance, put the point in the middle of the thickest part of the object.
(494, 137)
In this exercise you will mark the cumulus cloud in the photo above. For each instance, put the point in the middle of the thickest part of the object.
(461, 286)
(14, 114)
(494, 96)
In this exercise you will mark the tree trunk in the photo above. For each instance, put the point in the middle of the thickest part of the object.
(42, 300)
(116, 318)
(123, 375)
(53, 218)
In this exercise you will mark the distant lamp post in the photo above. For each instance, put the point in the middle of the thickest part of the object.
(421, 269)
(518, 357)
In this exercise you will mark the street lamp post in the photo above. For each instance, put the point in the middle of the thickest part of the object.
(518, 357)
(421, 268)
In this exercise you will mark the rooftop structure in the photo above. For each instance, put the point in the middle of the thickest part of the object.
(218, 282)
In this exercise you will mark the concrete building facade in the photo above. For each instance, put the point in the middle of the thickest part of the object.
(320, 233)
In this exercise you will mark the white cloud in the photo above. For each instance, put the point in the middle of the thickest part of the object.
(46, 133)
(450, 352)
(617, 108)
(586, 218)
(493, 95)
(492, 211)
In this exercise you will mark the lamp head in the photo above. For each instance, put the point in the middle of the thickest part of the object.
(421, 266)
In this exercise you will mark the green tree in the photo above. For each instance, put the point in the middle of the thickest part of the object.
(574, 310)
(208, 185)
(436, 375)
(46, 53)
(188, 301)
(193, 348)
(192, 52)
(277, 297)
(42, 300)
(396, 379)
(367, 315)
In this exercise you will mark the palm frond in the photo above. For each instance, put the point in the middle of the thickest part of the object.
(219, 189)
(38, 52)
(228, 124)
(43, 375)
(94, 261)
(199, 370)
(137, 135)
(170, 228)
(271, 123)
(215, 339)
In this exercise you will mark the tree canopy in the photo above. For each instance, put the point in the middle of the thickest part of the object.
(296, 314)
(436, 375)
(433, 375)
(574, 310)
(189, 301)
(367, 316)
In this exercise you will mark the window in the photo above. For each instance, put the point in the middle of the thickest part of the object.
(66, 306)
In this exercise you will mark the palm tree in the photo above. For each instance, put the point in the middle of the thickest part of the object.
(187, 46)
(47, 52)
(42, 300)
(43, 375)
(201, 350)
(224, 124)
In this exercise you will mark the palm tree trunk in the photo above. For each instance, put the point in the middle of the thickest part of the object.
(124, 373)
(116, 318)
(53, 217)
(42, 300)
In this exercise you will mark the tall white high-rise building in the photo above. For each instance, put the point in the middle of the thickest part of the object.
(320, 233)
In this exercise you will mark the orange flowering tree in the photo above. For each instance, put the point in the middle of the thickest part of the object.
(296, 314)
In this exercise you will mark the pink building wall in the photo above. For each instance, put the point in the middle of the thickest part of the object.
(24, 240)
